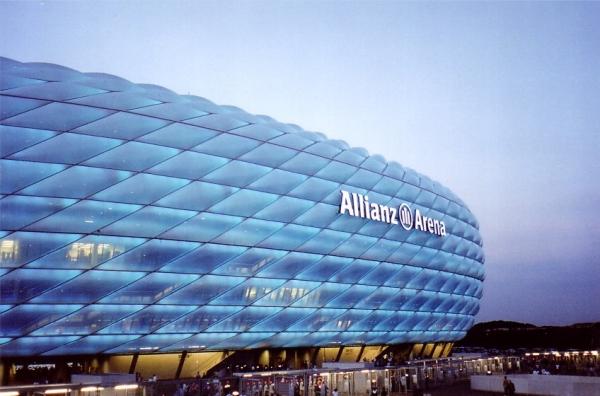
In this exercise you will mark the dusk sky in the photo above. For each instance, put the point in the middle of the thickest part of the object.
(500, 102)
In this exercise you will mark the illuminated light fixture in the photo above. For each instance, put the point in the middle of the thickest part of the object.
(235, 393)
(364, 371)
(9, 393)
(56, 391)
(91, 389)
(126, 387)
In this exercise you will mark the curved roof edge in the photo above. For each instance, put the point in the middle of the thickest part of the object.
(50, 72)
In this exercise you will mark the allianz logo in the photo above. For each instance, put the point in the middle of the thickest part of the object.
(358, 205)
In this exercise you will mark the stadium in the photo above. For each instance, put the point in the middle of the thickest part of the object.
(143, 229)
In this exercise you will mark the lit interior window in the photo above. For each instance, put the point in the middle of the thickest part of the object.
(9, 250)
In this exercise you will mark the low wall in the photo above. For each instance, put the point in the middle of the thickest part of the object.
(548, 385)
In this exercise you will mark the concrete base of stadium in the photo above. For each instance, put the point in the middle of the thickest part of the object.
(190, 364)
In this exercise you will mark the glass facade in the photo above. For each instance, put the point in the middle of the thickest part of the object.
(134, 219)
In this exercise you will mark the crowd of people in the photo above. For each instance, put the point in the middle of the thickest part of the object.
(197, 386)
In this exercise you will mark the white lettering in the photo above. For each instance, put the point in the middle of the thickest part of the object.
(436, 227)
(355, 201)
(442, 229)
(430, 225)
(375, 212)
(358, 205)
(393, 218)
(346, 205)
(361, 199)
(385, 213)
(405, 216)
(419, 221)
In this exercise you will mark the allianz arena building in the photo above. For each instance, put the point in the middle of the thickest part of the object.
(140, 226)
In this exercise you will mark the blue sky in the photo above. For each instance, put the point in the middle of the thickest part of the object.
(498, 101)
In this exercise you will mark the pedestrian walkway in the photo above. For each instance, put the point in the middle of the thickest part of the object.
(462, 388)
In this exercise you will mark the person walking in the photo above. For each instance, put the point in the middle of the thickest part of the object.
(505, 385)
(511, 388)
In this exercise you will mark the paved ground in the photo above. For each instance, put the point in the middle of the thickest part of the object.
(458, 389)
(462, 389)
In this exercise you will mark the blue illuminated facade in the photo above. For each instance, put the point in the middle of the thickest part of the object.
(137, 220)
